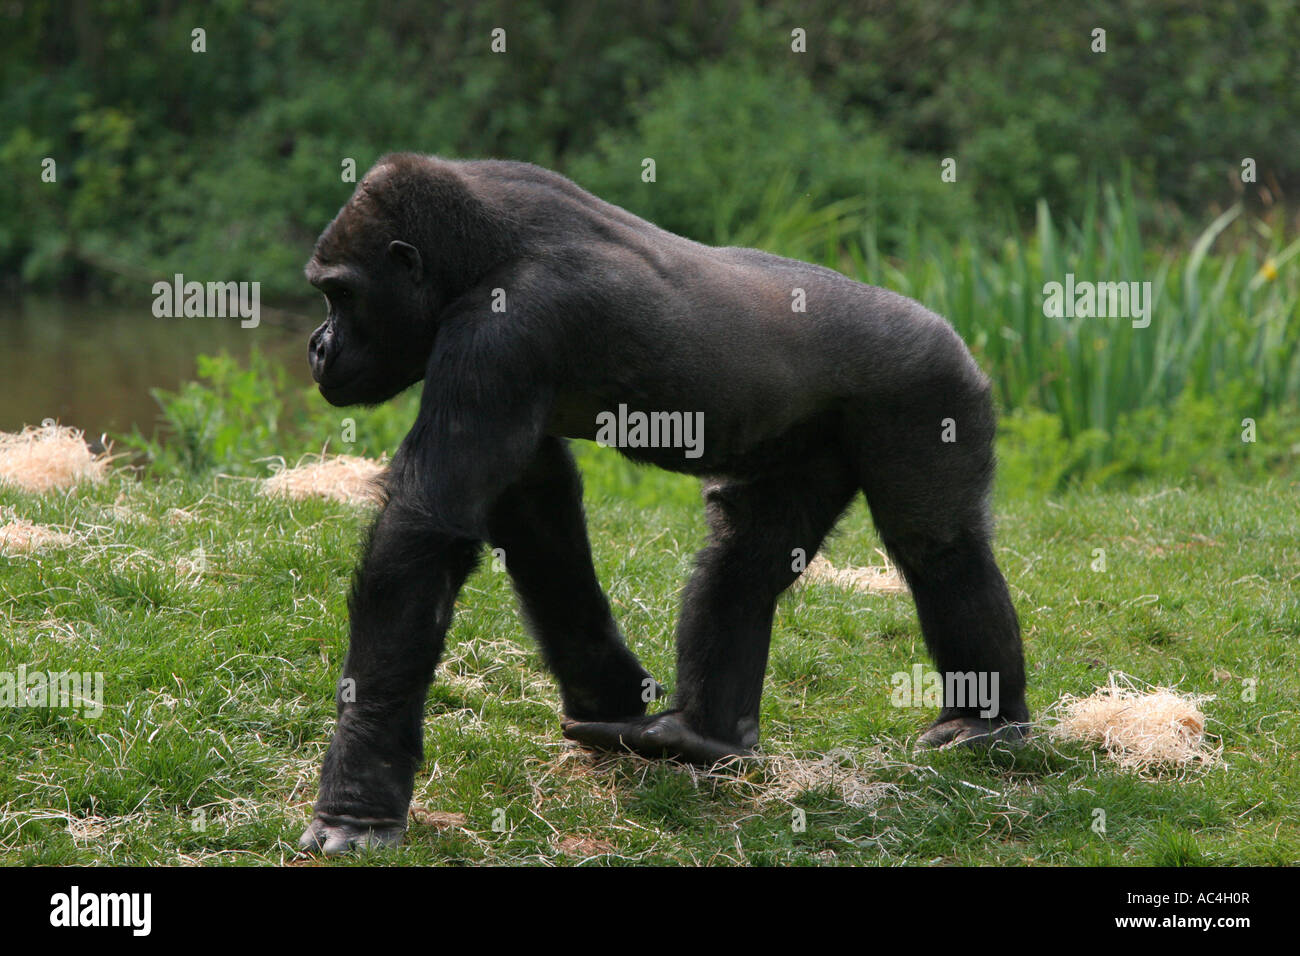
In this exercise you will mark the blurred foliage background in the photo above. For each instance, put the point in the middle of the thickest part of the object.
(228, 161)
(1117, 165)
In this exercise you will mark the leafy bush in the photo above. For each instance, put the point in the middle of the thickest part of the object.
(749, 155)
(1205, 437)
(1196, 437)
(1035, 457)
(227, 163)
(233, 417)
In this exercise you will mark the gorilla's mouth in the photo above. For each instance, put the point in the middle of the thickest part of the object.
(325, 379)
(338, 393)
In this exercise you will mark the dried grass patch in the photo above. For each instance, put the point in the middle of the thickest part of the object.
(882, 579)
(19, 536)
(853, 778)
(1140, 729)
(48, 457)
(346, 478)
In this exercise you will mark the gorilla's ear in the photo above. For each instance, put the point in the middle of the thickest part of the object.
(408, 256)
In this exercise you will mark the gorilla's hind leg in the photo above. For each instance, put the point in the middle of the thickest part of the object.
(761, 531)
(973, 635)
(926, 464)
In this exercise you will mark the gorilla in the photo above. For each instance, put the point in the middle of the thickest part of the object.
(533, 311)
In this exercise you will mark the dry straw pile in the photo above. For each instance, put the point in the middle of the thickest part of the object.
(18, 536)
(1142, 730)
(48, 457)
(345, 478)
(876, 580)
(852, 777)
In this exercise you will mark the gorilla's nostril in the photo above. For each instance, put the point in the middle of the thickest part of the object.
(318, 352)
(316, 359)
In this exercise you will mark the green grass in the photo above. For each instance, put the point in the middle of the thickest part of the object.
(221, 630)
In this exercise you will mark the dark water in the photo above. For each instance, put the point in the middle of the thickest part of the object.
(90, 364)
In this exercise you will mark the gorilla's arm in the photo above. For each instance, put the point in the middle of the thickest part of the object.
(483, 414)
(478, 428)
(400, 608)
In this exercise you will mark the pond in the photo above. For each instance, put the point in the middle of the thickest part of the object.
(90, 363)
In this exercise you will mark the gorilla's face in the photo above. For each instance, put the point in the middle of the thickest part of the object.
(378, 331)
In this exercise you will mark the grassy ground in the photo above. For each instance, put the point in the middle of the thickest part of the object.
(218, 617)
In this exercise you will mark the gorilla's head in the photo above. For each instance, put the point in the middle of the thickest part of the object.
(411, 239)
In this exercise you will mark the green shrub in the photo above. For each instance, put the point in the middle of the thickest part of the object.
(739, 146)
(235, 416)
(1034, 455)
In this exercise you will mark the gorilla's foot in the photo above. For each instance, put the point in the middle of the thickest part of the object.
(660, 735)
(334, 835)
(607, 705)
(976, 732)
(606, 684)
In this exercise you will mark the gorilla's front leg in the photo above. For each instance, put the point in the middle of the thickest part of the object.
(538, 525)
(401, 606)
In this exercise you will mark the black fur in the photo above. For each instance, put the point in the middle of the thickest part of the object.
(801, 410)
